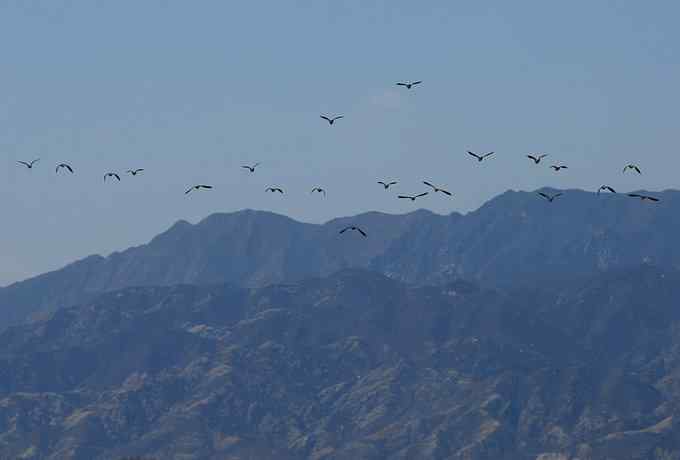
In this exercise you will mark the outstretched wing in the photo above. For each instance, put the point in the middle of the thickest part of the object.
(445, 192)
(116, 176)
(325, 118)
(422, 194)
(338, 117)
(638, 170)
(634, 195)
(402, 84)
(488, 154)
(532, 157)
(428, 184)
(344, 229)
(69, 168)
(393, 183)
(24, 163)
(362, 232)
(405, 196)
(473, 154)
(547, 197)
(416, 83)
(189, 190)
(652, 198)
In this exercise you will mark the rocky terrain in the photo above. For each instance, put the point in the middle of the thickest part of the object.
(355, 365)
(515, 239)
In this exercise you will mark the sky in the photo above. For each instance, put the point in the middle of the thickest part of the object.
(191, 91)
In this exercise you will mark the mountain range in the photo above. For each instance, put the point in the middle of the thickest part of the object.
(516, 239)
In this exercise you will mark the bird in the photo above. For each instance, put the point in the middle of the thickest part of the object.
(331, 120)
(548, 197)
(274, 189)
(354, 228)
(320, 190)
(537, 158)
(64, 165)
(199, 187)
(134, 172)
(605, 187)
(413, 197)
(387, 184)
(409, 85)
(437, 189)
(643, 197)
(633, 167)
(480, 157)
(251, 168)
(558, 167)
(29, 164)
(110, 174)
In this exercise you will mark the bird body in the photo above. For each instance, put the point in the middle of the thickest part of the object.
(550, 198)
(111, 174)
(437, 189)
(331, 120)
(65, 166)
(413, 197)
(199, 187)
(643, 197)
(353, 228)
(605, 187)
(251, 168)
(480, 157)
(29, 164)
(409, 85)
(387, 185)
(537, 158)
(633, 167)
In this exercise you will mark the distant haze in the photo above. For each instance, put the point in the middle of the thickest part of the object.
(191, 92)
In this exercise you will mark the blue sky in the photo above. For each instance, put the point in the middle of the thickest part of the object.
(190, 91)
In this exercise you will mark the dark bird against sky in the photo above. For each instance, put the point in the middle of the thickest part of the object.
(199, 187)
(409, 85)
(65, 166)
(437, 189)
(643, 197)
(112, 175)
(29, 164)
(537, 158)
(387, 185)
(134, 172)
(480, 157)
(605, 188)
(274, 189)
(331, 120)
(251, 168)
(550, 198)
(353, 228)
(632, 167)
(413, 197)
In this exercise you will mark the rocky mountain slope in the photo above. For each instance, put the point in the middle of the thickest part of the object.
(355, 365)
(516, 238)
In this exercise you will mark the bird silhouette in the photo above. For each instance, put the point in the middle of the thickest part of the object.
(65, 166)
(354, 228)
(274, 189)
(111, 174)
(412, 197)
(29, 164)
(251, 168)
(409, 85)
(643, 197)
(633, 167)
(319, 190)
(331, 120)
(558, 167)
(550, 198)
(437, 189)
(605, 187)
(480, 157)
(387, 184)
(134, 172)
(537, 158)
(199, 187)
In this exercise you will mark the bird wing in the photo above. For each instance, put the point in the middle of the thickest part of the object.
(206, 186)
(543, 156)
(556, 195)
(624, 169)
(361, 231)
(416, 82)
(652, 198)
(532, 157)
(488, 154)
(446, 192)
(57, 170)
(638, 170)
(610, 189)
(473, 154)
(23, 163)
(428, 184)
(405, 196)
(69, 168)
(344, 230)
(116, 176)
(35, 161)
(338, 117)
(401, 84)
(634, 195)
(544, 195)
(422, 194)
(189, 190)
(325, 118)
(393, 183)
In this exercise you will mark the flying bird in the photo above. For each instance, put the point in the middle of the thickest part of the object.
(643, 197)
(537, 158)
(413, 197)
(558, 167)
(354, 228)
(29, 164)
(331, 120)
(549, 197)
(409, 85)
(134, 172)
(605, 187)
(199, 187)
(251, 168)
(110, 174)
(319, 190)
(437, 189)
(387, 184)
(64, 165)
(633, 167)
(480, 157)
(274, 189)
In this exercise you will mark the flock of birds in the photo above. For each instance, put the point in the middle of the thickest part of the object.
(536, 158)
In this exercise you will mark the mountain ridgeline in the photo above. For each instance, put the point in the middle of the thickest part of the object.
(516, 239)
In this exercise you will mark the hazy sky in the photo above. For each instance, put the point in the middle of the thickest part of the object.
(193, 90)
